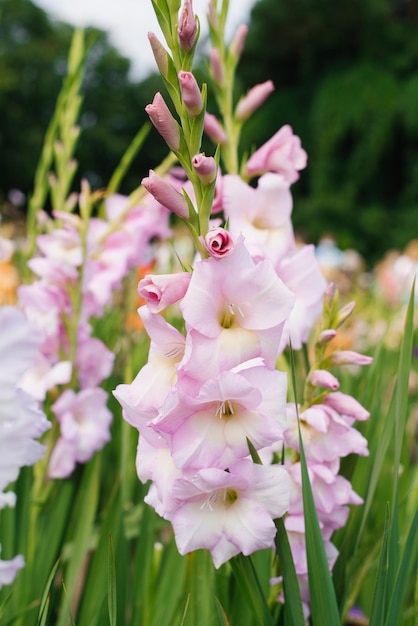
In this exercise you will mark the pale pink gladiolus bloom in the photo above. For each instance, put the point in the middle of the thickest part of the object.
(164, 122)
(219, 243)
(190, 93)
(214, 129)
(229, 512)
(205, 168)
(85, 422)
(253, 100)
(94, 361)
(323, 378)
(43, 376)
(9, 569)
(282, 153)
(234, 310)
(300, 272)
(326, 434)
(165, 193)
(161, 290)
(187, 27)
(347, 405)
(212, 428)
(262, 215)
(142, 399)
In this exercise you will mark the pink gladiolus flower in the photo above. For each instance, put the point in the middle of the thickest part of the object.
(214, 129)
(347, 405)
(261, 215)
(234, 310)
(161, 290)
(205, 168)
(164, 122)
(282, 154)
(143, 398)
(253, 100)
(219, 243)
(21, 420)
(9, 569)
(190, 93)
(229, 512)
(300, 272)
(211, 429)
(187, 27)
(85, 421)
(326, 434)
(166, 194)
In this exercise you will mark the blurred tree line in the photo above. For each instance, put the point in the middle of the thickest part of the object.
(346, 77)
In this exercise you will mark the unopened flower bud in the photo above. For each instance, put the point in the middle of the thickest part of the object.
(237, 44)
(190, 93)
(326, 336)
(323, 378)
(164, 122)
(187, 27)
(216, 68)
(219, 243)
(212, 16)
(160, 54)
(346, 405)
(344, 313)
(253, 100)
(349, 357)
(214, 129)
(166, 195)
(205, 168)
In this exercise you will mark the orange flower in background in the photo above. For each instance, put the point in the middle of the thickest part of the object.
(9, 278)
(133, 321)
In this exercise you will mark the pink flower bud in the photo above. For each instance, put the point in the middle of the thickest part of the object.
(187, 27)
(219, 243)
(326, 336)
(253, 100)
(216, 68)
(190, 93)
(346, 405)
(214, 129)
(166, 195)
(161, 290)
(237, 44)
(213, 16)
(205, 168)
(349, 357)
(323, 378)
(282, 154)
(344, 313)
(160, 54)
(164, 122)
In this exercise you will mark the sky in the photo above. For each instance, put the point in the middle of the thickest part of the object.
(128, 22)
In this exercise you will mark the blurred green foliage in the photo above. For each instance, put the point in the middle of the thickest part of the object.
(346, 77)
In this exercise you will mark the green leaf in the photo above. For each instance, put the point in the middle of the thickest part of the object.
(246, 576)
(111, 589)
(379, 605)
(43, 609)
(406, 567)
(293, 603)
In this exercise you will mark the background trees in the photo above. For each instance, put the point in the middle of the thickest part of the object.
(346, 79)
